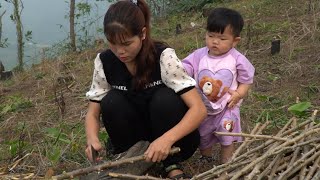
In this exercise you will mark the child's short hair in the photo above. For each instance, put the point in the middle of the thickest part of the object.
(220, 18)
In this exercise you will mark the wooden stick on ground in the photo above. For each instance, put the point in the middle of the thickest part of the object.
(130, 176)
(299, 163)
(279, 134)
(18, 161)
(216, 171)
(275, 166)
(105, 165)
(313, 169)
(303, 171)
(270, 141)
(246, 142)
(291, 171)
(252, 136)
(275, 151)
(269, 168)
(281, 151)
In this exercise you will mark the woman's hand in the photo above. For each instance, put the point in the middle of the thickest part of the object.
(158, 150)
(234, 99)
(92, 129)
(96, 146)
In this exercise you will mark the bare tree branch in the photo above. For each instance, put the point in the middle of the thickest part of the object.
(105, 165)
(130, 176)
(250, 135)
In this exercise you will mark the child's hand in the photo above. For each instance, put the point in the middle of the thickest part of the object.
(234, 99)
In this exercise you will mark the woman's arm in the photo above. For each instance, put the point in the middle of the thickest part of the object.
(175, 77)
(191, 120)
(92, 128)
(159, 149)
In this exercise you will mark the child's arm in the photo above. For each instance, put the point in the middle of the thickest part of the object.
(245, 71)
(238, 94)
(191, 62)
(188, 64)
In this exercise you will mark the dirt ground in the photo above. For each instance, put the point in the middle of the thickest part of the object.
(55, 90)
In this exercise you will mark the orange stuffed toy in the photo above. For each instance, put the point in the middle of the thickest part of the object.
(211, 88)
(228, 125)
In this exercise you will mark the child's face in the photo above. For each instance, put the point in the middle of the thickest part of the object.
(220, 44)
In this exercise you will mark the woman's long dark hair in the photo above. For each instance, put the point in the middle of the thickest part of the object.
(126, 19)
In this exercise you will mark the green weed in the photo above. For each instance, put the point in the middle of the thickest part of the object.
(65, 142)
(15, 103)
(18, 145)
(300, 109)
(8, 82)
(39, 75)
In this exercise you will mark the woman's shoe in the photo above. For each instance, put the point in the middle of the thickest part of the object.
(181, 176)
(178, 176)
(206, 159)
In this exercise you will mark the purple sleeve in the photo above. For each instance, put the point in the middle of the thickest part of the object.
(188, 64)
(191, 62)
(245, 70)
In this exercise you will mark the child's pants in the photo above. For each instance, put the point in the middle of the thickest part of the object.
(226, 121)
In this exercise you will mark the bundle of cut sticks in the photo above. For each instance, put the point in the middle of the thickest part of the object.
(293, 153)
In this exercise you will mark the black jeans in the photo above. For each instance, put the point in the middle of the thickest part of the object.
(128, 122)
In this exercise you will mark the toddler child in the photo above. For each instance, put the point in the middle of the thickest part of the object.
(223, 77)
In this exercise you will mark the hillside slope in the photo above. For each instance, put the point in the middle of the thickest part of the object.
(42, 110)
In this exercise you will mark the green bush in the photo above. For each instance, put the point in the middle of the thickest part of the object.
(190, 5)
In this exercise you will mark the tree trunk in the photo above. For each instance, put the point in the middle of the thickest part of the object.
(1, 27)
(17, 20)
(72, 32)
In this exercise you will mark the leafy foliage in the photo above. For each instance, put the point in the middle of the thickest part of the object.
(189, 5)
(17, 146)
(14, 104)
(61, 141)
(4, 43)
(28, 36)
(300, 109)
(164, 7)
(83, 9)
(57, 135)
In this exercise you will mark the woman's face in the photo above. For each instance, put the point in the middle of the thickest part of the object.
(128, 48)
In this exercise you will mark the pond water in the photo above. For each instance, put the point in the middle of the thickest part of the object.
(49, 23)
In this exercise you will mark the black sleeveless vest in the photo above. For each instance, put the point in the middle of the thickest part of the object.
(120, 78)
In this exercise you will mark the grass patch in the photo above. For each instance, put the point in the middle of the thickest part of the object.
(32, 123)
(14, 103)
